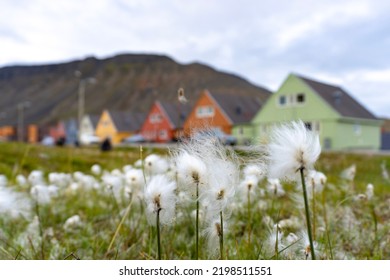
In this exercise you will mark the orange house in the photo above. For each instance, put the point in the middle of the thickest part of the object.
(7, 132)
(207, 113)
(116, 126)
(164, 121)
(224, 112)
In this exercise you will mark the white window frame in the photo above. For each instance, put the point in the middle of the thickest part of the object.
(206, 111)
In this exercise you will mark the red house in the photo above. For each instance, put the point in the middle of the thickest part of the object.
(165, 121)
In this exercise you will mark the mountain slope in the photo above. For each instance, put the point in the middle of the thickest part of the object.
(124, 82)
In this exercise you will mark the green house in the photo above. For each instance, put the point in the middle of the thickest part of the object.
(341, 121)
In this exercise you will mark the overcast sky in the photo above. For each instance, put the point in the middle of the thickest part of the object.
(341, 42)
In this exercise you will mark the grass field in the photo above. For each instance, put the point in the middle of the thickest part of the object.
(109, 220)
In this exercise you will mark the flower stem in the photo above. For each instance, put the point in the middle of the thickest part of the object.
(158, 234)
(197, 223)
(249, 217)
(221, 236)
(308, 223)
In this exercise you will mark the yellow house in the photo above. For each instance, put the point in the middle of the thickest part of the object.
(116, 126)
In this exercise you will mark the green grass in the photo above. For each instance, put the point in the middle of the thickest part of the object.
(345, 228)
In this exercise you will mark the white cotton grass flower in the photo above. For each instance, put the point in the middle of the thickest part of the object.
(36, 178)
(304, 248)
(191, 170)
(213, 232)
(21, 180)
(62, 180)
(42, 194)
(275, 188)
(255, 170)
(274, 242)
(370, 191)
(72, 222)
(96, 169)
(222, 181)
(31, 237)
(134, 178)
(249, 184)
(349, 173)
(291, 147)
(3, 180)
(160, 197)
(13, 204)
(155, 164)
(315, 181)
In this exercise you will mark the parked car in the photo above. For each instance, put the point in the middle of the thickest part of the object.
(137, 138)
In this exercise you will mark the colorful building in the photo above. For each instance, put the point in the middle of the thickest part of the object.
(341, 121)
(165, 121)
(88, 128)
(231, 114)
(116, 126)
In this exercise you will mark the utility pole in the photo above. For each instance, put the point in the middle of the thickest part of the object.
(81, 97)
(21, 106)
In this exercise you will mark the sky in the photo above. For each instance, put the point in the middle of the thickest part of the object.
(343, 42)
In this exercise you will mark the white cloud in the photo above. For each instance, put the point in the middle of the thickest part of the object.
(345, 42)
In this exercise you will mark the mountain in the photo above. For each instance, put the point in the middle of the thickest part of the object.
(123, 82)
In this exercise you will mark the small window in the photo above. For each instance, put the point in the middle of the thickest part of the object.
(300, 98)
(357, 129)
(205, 111)
(155, 118)
(282, 100)
(163, 134)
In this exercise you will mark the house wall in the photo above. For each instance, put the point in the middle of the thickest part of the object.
(244, 134)
(32, 133)
(106, 129)
(7, 132)
(86, 126)
(356, 135)
(335, 132)
(157, 127)
(196, 121)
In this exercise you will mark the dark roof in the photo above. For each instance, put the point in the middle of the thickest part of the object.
(339, 100)
(127, 121)
(240, 109)
(172, 110)
(94, 119)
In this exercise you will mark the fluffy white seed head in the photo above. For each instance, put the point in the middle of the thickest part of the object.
(14, 204)
(155, 164)
(96, 169)
(275, 188)
(160, 197)
(370, 191)
(349, 173)
(212, 233)
(191, 169)
(222, 181)
(292, 147)
(72, 222)
(255, 170)
(315, 182)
